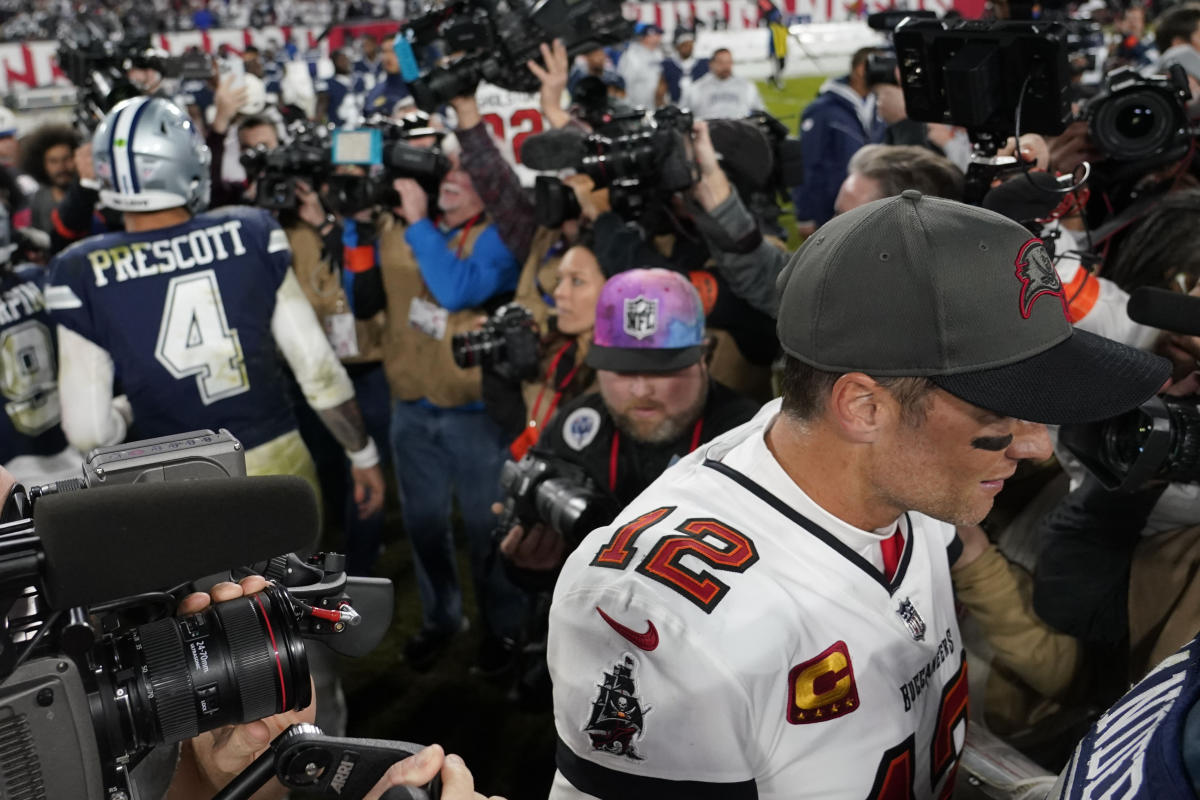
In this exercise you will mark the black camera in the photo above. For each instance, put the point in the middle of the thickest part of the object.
(554, 202)
(1160, 440)
(275, 172)
(382, 149)
(556, 493)
(497, 37)
(508, 343)
(95, 668)
(96, 53)
(881, 68)
(1142, 119)
(977, 74)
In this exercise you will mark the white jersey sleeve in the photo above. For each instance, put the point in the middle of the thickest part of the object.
(294, 325)
(85, 382)
(638, 694)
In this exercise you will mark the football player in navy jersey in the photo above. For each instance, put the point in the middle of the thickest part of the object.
(32, 445)
(189, 310)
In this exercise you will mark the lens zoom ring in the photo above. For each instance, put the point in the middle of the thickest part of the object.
(253, 659)
(174, 701)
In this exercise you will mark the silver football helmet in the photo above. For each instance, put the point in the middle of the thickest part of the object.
(149, 156)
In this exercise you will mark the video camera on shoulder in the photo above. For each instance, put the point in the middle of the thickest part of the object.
(641, 159)
(1000, 79)
(95, 668)
(554, 492)
(275, 172)
(495, 39)
(383, 149)
(96, 51)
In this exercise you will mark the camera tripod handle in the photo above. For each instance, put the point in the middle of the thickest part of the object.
(303, 757)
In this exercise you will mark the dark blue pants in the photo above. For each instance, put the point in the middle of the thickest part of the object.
(440, 455)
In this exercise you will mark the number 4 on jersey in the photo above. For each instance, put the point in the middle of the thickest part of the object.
(194, 338)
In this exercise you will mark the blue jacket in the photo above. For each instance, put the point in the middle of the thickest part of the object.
(831, 131)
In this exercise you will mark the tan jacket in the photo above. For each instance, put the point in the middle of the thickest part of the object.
(323, 288)
(417, 364)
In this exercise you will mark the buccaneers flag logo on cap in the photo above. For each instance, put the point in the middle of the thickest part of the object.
(1036, 272)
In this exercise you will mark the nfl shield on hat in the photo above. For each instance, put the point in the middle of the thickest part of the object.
(647, 320)
(921, 286)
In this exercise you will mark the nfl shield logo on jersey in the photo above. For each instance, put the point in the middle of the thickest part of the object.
(617, 713)
(908, 612)
(641, 317)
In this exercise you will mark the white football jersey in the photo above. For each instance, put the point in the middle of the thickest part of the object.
(512, 116)
(717, 641)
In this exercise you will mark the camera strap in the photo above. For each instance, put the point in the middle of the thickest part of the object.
(616, 449)
(533, 429)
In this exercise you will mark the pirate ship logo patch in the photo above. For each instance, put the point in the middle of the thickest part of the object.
(1036, 272)
(908, 613)
(617, 713)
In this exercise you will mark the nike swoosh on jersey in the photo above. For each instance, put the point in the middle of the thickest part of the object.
(646, 641)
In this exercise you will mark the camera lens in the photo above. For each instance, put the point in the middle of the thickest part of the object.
(1136, 121)
(1135, 124)
(174, 678)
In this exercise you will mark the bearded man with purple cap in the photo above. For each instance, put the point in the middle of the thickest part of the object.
(773, 618)
(656, 403)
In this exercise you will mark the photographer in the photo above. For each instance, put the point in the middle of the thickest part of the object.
(657, 403)
(435, 269)
(708, 233)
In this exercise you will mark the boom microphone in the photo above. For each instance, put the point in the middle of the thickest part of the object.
(106, 543)
(1164, 309)
(552, 150)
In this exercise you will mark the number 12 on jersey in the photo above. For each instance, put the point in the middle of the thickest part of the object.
(194, 338)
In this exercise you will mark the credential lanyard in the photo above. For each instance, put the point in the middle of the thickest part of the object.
(533, 430)
(616, 448)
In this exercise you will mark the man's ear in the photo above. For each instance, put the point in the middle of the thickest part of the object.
(860, 407)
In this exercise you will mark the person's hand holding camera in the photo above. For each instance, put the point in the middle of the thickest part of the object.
(420, 768)
(414, 203)
(889, 101)
(227, 99)
(541, 548)
(713, 187)
(467, 110)
(211, 760)
(554, 81)
(1070, 149)
(592, 201)
(309, 207)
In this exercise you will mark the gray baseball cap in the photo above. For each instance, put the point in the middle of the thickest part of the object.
(921, 286)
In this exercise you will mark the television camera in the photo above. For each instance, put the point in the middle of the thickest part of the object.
(1001, 79)
(495, 38)
(96, 54)
(97, 672)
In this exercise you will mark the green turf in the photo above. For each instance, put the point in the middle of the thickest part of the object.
(786, 105)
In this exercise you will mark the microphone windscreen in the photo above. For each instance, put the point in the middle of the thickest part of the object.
(553, 150)
(106, 543)
(1166, 310)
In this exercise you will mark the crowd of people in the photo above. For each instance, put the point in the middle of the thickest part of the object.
(738, 512)
(27, 20)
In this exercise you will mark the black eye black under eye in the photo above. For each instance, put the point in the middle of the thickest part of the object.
(993, 443)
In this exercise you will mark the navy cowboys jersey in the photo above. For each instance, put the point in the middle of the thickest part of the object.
(28, 368)
(1147, 746)
(185, 313)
